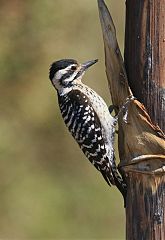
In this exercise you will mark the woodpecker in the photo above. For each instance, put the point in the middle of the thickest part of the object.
(87, 117)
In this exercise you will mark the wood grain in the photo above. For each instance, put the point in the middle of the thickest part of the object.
(141, 142)
(145, 55)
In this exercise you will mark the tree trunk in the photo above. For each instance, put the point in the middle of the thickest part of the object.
(141, 142)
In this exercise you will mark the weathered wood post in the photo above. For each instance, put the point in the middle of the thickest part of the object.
(145, 67)
(141, 141)
(145, 55)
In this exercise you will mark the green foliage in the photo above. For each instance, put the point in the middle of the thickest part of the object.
(48, 189)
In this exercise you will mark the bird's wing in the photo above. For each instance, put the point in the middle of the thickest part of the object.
(87, 130)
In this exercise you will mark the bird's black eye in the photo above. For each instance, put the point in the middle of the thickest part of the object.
(73, 68)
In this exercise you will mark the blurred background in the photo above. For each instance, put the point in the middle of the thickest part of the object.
(48, 189)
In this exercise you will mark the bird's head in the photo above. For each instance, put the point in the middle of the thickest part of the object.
(66, 73)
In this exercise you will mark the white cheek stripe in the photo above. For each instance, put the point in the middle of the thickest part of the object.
(57, 79)
(70, 78)
(60, 73)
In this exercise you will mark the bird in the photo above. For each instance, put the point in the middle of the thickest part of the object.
(87, 117)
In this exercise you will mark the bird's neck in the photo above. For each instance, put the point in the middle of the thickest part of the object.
(78, 85)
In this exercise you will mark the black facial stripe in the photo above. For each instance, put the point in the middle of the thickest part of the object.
(78, 75)
(66, 75)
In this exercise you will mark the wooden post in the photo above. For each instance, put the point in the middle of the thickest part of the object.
(145, 55)
(145, 67)
(141, 142)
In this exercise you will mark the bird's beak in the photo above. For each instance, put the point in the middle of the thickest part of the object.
(86, 65)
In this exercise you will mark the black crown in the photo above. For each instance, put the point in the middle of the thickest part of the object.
(58, 65)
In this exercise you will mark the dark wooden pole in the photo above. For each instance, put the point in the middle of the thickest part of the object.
(141, 142)
(145, 55)
(145, 67)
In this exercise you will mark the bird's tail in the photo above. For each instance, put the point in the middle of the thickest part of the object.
(114, 178)
(119, 182)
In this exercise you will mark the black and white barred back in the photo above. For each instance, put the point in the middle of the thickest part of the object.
(88, 119)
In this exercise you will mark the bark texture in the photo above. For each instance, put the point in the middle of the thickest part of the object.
(141, 142)
(145, 55)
